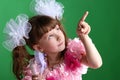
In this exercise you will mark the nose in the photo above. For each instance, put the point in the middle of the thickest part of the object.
(57, 35)
(58, 38)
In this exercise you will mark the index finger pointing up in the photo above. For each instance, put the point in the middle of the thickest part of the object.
(84, 16)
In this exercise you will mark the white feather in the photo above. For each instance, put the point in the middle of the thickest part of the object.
(50, 8)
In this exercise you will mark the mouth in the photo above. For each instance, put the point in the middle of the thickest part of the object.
(60, 43)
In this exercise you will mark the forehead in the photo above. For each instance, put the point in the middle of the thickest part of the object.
(50, 31)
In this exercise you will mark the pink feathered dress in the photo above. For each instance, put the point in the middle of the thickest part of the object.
(70, 69)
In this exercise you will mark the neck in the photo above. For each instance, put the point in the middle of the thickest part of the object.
(53, 59)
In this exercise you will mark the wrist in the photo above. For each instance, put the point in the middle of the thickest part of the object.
(83, 37)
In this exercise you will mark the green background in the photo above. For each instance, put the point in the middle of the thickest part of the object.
(103, 17)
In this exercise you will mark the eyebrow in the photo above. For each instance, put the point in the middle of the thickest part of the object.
(46, 35)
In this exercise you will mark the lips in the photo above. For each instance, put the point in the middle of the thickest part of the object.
(60, 43)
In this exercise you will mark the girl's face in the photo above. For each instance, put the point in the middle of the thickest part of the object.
(53, 41)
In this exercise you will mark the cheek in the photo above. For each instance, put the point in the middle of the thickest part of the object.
(62, 36)
(51, 47)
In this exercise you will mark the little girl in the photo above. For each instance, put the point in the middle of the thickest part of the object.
(55, 56)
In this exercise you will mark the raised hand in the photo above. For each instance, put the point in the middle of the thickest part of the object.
(83, 27)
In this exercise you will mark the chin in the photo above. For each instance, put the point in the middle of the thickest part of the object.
(62, 48)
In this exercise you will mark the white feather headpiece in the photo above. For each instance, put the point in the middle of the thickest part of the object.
(16, 30)
(49, 8)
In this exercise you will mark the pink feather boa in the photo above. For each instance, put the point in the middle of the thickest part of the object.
(75, 50)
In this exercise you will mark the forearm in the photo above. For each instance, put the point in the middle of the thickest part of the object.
(93, 57)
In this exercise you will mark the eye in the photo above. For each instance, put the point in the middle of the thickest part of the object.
(50, 36)
(57, 28)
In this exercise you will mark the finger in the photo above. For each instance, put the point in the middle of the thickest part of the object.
(84, 16)
(82, 26)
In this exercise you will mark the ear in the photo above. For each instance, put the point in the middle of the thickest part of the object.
(37, 48)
